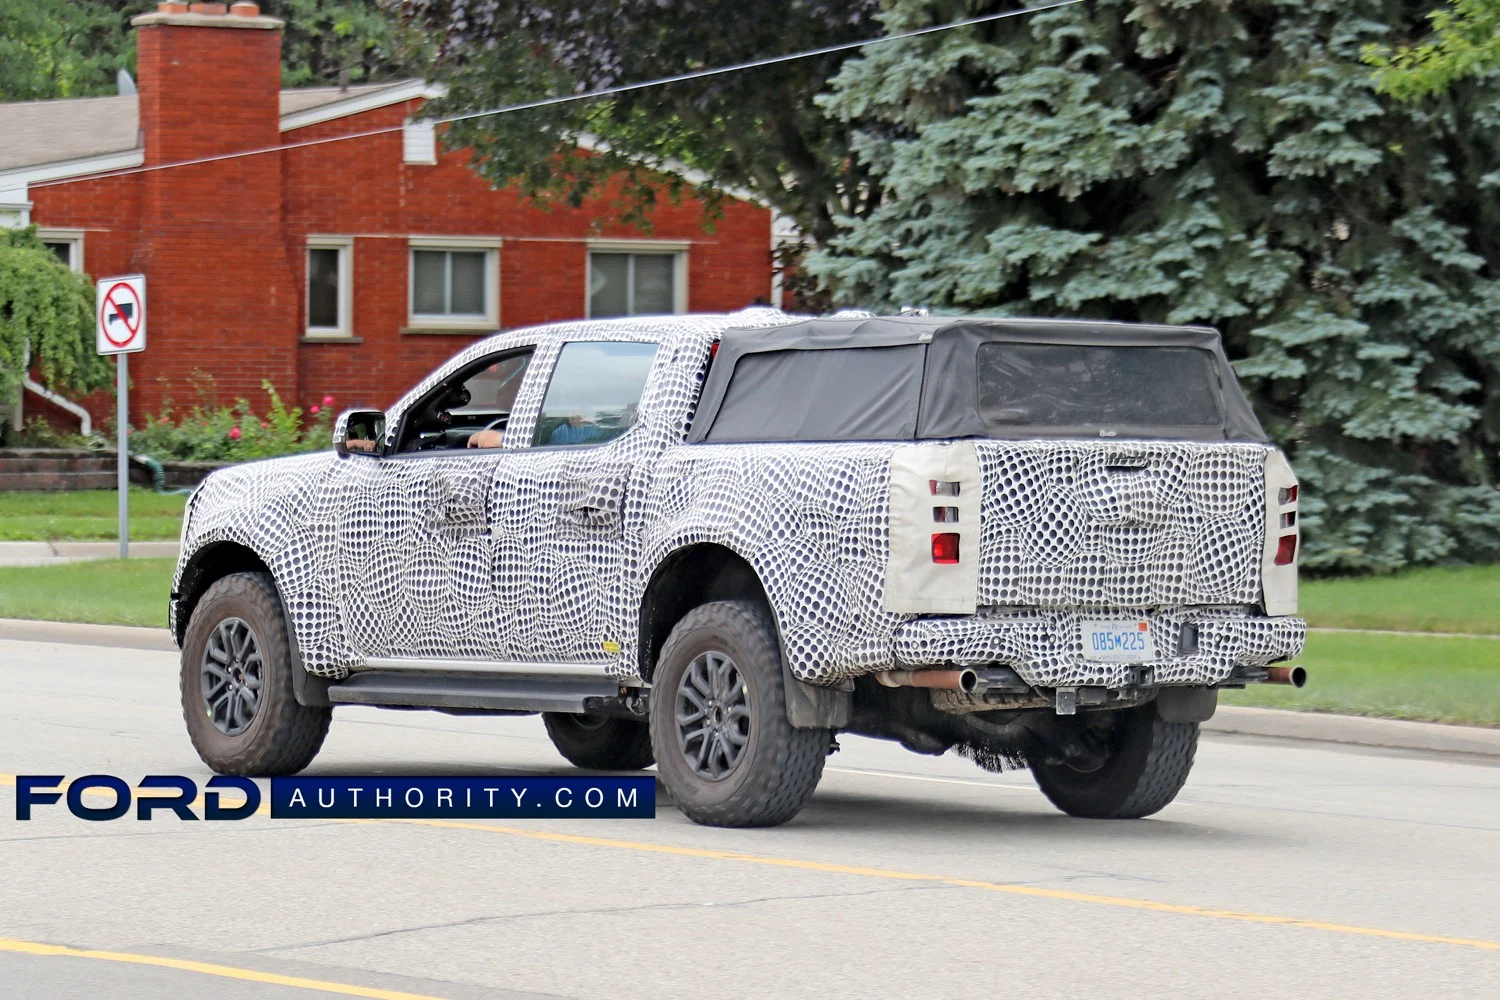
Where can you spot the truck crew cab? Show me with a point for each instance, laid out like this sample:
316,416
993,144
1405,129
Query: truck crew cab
715,542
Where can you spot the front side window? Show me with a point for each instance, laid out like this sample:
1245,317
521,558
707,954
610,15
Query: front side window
452,285
633,284
469,409
595,390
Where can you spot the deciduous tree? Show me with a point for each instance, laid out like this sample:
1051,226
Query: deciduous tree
757,130
48,311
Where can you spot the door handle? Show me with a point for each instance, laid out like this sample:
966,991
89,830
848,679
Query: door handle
591,514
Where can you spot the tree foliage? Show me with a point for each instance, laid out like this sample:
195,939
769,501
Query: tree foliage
1190,161
1465,42
56,48
74,48
757,130
47,308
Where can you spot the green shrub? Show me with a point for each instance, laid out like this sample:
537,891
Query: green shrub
235,433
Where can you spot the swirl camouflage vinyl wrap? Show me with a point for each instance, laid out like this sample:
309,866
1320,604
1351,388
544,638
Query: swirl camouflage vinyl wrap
544,554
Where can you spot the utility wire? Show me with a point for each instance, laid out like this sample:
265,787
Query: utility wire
586,96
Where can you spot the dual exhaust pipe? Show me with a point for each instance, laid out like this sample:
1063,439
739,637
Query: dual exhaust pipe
971,681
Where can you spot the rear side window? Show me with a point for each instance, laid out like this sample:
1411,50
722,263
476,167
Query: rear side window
594,392
1077,386
847,394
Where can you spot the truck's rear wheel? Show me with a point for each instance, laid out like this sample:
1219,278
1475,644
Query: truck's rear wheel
1122,765
237,699
724,747
600,742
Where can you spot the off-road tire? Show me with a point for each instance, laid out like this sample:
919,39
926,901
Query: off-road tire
1147,768
781,764
600,743
283,737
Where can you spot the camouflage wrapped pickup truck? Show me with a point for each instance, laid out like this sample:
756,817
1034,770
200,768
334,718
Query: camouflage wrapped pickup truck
716,542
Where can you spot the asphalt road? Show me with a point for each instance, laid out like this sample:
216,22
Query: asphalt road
1283,870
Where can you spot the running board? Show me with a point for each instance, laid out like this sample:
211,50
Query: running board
473,691
433,664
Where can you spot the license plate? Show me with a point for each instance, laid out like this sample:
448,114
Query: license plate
1118,642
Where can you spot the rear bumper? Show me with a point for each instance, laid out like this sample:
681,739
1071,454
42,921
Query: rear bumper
1046,647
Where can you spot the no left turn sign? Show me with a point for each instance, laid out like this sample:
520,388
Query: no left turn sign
122,314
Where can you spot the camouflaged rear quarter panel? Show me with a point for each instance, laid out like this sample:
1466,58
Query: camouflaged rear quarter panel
475,554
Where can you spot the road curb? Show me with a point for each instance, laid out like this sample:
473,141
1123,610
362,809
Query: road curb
79,634
1355,730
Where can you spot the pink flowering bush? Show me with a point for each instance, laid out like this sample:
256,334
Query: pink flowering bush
234,433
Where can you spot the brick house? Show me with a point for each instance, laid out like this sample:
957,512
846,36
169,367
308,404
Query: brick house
348,268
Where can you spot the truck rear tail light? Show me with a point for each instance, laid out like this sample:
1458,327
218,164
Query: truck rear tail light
942,489
1286,549
945,515
1286,495
945,547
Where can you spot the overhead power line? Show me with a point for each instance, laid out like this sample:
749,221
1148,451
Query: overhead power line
548,102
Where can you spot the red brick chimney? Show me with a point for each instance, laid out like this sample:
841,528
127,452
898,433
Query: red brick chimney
212,242
210,80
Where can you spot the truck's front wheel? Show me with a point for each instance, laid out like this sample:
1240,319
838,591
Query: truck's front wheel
1119,765
237,698
724,747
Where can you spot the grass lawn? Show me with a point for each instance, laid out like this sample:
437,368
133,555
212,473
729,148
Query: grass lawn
1433,679
107,591
1442,599
87,515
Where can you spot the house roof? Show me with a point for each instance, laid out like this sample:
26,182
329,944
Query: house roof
40,132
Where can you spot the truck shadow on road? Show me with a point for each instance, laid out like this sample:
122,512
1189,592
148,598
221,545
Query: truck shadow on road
1012,815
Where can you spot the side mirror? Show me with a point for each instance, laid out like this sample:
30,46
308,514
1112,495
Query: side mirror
358,432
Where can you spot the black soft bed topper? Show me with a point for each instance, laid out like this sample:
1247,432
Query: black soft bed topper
911,378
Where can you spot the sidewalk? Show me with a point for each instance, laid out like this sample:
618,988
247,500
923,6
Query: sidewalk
57,553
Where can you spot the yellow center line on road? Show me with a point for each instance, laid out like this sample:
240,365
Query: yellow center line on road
861,871
207,969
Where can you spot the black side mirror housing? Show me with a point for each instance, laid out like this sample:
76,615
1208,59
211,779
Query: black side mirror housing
358,432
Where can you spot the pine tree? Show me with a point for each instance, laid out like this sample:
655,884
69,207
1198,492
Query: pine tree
1194,161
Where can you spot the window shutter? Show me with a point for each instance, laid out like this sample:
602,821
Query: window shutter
419,142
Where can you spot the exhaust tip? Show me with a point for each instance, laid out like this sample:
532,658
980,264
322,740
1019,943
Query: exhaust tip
1296,676
968,681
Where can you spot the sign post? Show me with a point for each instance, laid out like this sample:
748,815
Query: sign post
121,308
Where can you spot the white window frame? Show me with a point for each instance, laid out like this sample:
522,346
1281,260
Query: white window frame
74,237
677,249
443,323
345,328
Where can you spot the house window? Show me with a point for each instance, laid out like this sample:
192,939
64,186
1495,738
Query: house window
454,286
66,244
329,291
636,283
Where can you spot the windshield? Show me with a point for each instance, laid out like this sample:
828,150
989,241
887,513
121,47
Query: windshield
1075,386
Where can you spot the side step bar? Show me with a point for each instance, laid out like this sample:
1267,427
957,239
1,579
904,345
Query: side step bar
474,691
